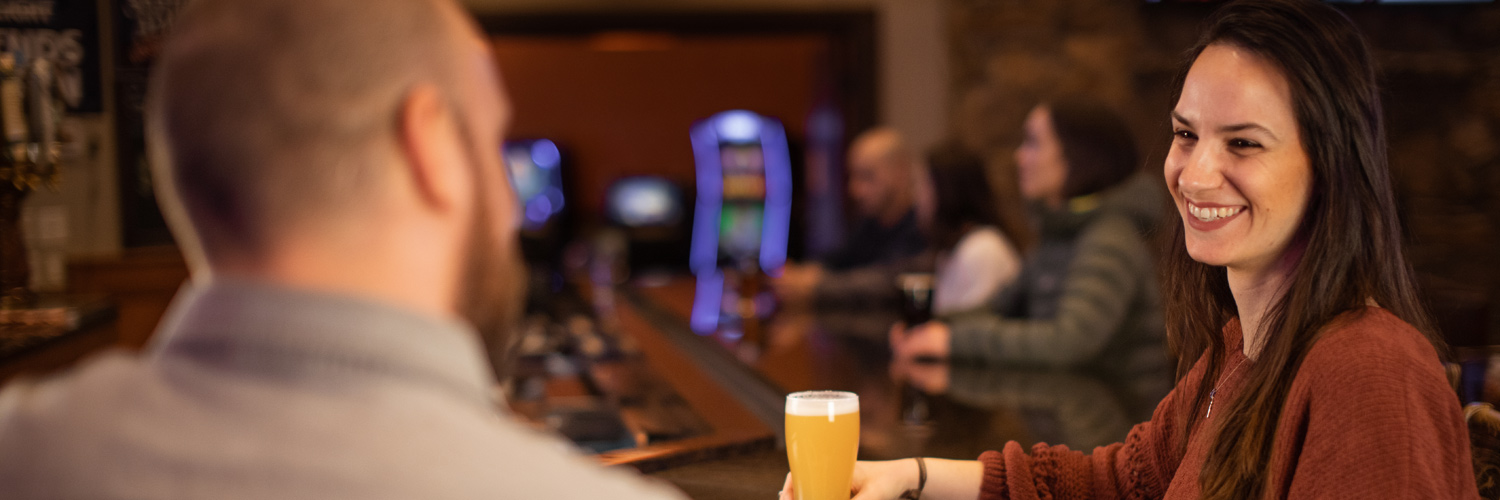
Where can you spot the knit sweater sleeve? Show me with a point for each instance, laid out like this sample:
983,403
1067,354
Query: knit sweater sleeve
1101,284
1141,467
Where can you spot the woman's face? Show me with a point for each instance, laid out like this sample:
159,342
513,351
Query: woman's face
1237,170
1039,160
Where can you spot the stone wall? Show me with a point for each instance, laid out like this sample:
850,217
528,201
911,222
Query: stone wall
1440,68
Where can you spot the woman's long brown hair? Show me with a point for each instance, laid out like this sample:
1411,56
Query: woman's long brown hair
1350,230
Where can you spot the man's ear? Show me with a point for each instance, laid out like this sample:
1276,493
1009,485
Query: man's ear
429,141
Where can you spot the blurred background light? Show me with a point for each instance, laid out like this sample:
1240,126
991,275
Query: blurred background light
738,126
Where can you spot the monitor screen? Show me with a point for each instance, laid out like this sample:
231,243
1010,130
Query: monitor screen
644,201
535,168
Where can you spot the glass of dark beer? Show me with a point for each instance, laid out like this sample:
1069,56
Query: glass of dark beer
916,297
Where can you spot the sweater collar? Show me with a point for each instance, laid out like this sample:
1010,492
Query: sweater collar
1233,337
264,327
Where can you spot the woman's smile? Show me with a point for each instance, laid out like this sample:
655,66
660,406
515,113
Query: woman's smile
1209,216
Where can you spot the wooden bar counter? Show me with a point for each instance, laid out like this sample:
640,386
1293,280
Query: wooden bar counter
906,409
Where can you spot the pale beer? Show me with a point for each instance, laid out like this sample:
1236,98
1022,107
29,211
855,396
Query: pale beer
822,440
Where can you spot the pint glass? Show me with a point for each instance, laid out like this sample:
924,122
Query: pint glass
822,440
916,298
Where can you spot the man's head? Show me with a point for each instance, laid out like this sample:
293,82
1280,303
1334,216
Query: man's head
338,144
881,173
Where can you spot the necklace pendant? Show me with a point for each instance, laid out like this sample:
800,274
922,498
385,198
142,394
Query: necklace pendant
1210,403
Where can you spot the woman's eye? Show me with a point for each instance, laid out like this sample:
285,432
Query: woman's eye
1183,134
1242,144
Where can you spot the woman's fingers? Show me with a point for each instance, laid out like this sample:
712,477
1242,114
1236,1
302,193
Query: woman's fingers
929,341
870,481
900,338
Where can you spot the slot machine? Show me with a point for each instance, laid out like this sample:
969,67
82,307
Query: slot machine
741,217
535,167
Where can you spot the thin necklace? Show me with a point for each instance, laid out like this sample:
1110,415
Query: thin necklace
1215,390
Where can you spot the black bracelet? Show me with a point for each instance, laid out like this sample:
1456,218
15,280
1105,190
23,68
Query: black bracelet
921,481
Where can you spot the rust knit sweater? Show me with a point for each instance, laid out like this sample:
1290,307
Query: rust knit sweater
1369,415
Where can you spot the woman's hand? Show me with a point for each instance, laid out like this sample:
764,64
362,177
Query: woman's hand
929,377
927,341
873,480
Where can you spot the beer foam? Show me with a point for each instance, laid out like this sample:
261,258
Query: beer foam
820,403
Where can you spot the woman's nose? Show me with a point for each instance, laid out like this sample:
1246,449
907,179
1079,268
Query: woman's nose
1201,171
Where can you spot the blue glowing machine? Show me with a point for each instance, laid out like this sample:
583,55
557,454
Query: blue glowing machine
744,206
535,168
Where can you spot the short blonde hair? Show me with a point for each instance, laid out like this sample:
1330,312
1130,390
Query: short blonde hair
265,112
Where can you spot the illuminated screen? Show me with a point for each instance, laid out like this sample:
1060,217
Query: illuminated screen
744,172
644,202
535,168
739,230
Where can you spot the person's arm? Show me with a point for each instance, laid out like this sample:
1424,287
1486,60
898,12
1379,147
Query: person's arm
867,288
1140,467
888,480
1101,284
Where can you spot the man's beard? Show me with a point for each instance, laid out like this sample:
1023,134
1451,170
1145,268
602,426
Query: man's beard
493,287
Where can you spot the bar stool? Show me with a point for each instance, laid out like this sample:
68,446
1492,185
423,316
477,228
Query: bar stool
1484,443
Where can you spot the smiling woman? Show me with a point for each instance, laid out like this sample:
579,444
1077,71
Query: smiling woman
1289,302
1290,237
1238,173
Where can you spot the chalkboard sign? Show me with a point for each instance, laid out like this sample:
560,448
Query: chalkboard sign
66,32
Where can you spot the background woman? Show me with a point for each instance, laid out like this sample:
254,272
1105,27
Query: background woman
1323,381
1087,287
975,259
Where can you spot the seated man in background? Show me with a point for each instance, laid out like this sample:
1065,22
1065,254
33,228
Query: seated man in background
882,176
332,171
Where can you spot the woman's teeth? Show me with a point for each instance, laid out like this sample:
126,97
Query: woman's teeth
1212,214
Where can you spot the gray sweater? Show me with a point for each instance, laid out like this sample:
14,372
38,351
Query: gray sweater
257,391
1087,295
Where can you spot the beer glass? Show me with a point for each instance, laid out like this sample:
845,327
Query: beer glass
916,298
822,440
